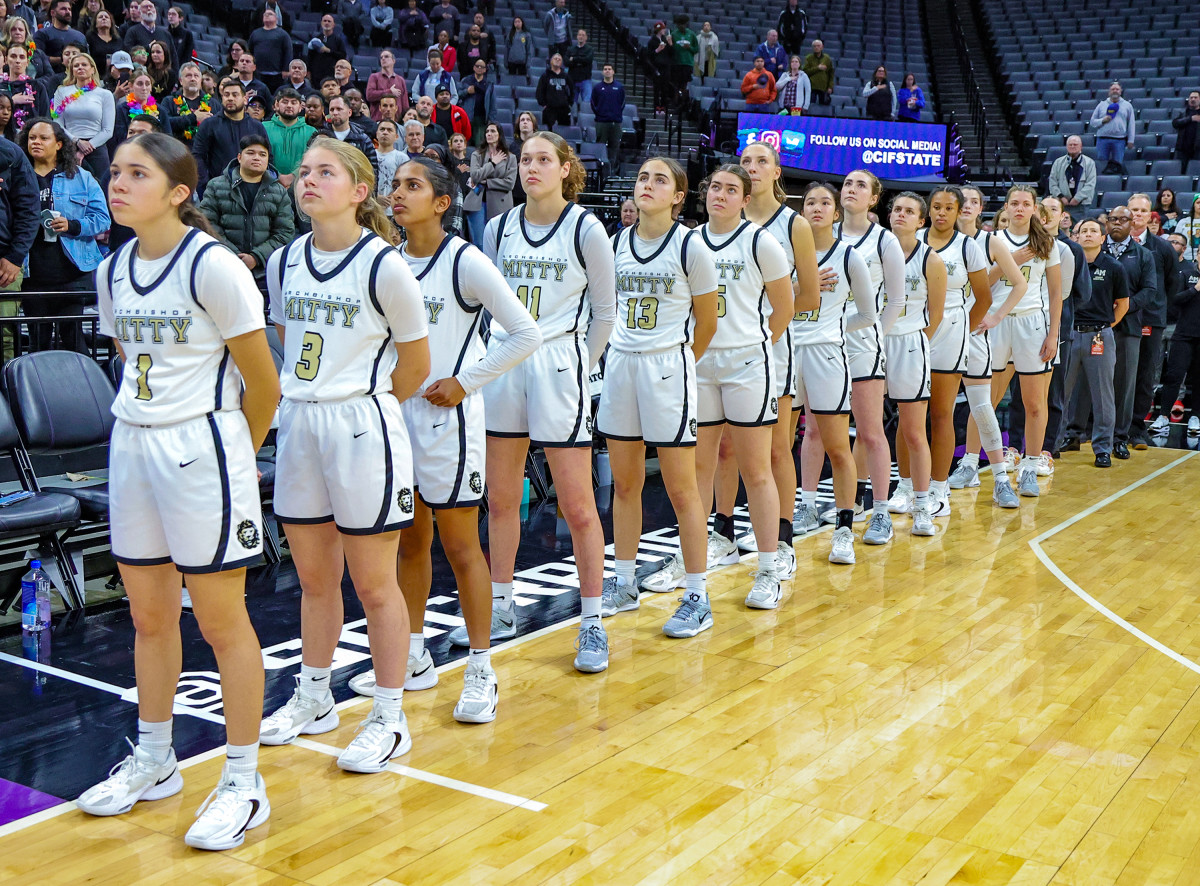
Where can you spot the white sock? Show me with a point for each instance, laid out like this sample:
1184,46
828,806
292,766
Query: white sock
696,583
879,506
626,571
921,499
971,460
389,702
314,682
155,738
766,561
904,484
939,488
416,645
241,759
998,472
480,658
809,498
590,607
502,591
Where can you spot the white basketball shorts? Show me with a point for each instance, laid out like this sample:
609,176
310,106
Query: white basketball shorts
865,350
908,378
449,451
783,352
979,355
737,386
546,397
1018,340
823,379
649,397
949,345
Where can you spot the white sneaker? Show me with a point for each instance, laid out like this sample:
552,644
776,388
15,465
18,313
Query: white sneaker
922,523
666,579
480,695
785,561
721,551
1045,464
138,777
421,675
805,520
1193,428
237,804
829,513
766,592
302,715
379,739
965,476
747,543
504,625
1012,458
842,550
902,501
939,506
1160,426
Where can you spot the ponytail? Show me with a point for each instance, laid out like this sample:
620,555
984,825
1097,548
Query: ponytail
190,215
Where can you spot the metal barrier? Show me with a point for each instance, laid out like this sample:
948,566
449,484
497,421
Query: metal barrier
69,328
974,96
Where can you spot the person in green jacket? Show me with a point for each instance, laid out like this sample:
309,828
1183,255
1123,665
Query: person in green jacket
289,134
249,208
685,46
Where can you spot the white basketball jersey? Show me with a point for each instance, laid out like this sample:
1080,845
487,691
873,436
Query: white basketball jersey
915,316
983,239
454,339
745,260
827,324
1033,271
547,273
342,322
172,317
780,225
654,295
962,257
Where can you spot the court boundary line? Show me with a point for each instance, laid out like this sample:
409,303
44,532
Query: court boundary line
1036,546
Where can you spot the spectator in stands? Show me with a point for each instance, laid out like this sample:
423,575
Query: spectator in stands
20,217
330,89
683,40
880,94
64,253
386,81
445,17
580,59
519,48
449,51
353,19
477,46
271,47
1189,227
102,38
85,19
432,77
248,207
412,27
910,99
183,41
6,113
219,138
285,17
86,112
148,30
1153,315
22,10
58,33
1187,131
775,57
493,176
51,82
795,92
414,140
1113,124
236,48
608,104
555,93
343,130
1073,175
343,73
297,78
388,109
758,87
28,95
314,111
557,25
289,134
16,31
358,112
1167,209
450,117
1155,226
452,221
160,70
387,134
120,69
434,134
708,50
326,48
821,73
247,68
1094,351
382,19
792,26
661,54
478,96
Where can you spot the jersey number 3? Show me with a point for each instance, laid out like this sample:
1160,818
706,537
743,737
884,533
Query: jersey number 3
642,313
310,356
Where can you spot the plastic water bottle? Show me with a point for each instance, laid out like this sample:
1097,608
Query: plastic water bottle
35,599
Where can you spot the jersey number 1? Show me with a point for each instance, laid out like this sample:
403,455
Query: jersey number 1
310,356
143,364
531,298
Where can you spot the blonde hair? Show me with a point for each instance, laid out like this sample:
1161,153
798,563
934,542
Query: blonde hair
777,190
95,79
10,24
370,213
576,177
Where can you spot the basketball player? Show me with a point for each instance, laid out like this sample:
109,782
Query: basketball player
667,293
736,375
823,381
977,379
557,259
352,323
907,345
966,269
446,426
183,481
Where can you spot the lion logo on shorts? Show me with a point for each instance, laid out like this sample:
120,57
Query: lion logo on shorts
476,482
587,424
692,427
774,406
247,534
404,498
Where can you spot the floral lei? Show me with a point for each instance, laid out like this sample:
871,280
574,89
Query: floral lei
20,112
149,106
181,105
56,108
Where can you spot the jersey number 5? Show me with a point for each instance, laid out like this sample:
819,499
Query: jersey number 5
143,364
531,298
310,356
721,306
642,313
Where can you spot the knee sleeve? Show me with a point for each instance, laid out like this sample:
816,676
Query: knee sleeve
979,397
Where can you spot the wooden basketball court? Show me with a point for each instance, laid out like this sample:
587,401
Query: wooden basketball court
1010,701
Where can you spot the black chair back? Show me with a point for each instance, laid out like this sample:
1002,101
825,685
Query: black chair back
62,400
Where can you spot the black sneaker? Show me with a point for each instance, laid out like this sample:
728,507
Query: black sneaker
1070,445
1139,441
1121,451
1103,460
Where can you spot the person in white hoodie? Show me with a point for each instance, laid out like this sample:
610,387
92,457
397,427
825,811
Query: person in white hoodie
795,89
